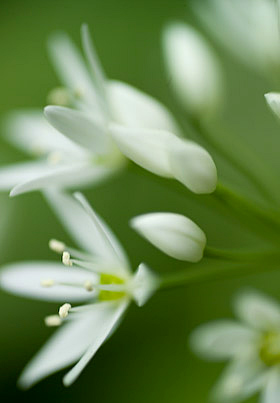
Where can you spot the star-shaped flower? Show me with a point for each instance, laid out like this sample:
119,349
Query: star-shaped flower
100,275
252,346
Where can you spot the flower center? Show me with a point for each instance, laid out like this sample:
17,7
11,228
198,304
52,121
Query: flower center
108,279
270,348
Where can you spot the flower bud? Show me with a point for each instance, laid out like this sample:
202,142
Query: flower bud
194,71
174,234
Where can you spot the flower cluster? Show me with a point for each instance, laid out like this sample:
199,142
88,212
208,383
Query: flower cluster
93,129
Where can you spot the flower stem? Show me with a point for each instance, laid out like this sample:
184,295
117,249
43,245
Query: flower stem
239,255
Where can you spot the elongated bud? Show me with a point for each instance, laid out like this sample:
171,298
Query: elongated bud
273,101
194,71
193,166
174,234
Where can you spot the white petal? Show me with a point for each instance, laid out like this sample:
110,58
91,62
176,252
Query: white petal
222,339
241,379
95,65
64,176
30,131
273,100
147,148
24,279
87,229
271,392
259,311
107,321
66,346
144,284
72,70
195,73
133,108
174,234
79,127
193,166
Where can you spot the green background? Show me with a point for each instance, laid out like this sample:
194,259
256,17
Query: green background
148,359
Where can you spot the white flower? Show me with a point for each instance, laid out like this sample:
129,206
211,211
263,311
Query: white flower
99,275
194,70
248,28
252,346
174,234
273,101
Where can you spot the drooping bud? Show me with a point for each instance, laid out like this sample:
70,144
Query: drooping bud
174,234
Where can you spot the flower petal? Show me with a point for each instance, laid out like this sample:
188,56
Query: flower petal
30,131
67,344
193,166
73,72
24,279
257,310
273,101
174,234
79,127
144,284
87,229
271,391
133,108
107,321
147,148
241,379
222,339
64,176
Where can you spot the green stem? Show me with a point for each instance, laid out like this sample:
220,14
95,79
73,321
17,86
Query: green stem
202,274
233,153
240,256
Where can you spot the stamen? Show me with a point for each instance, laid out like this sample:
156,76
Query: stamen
59,96
48,282
53,320
56,246
88,285
66,259
64,310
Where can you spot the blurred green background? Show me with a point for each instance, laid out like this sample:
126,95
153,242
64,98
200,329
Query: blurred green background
148,359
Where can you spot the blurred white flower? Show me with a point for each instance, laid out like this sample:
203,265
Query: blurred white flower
109,118
252,346
273,101
194,70
248,28
100,274
174,234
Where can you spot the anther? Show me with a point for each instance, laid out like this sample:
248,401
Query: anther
59,96
88,285
48,282
52,320
64,310
56,246
66,259
54,157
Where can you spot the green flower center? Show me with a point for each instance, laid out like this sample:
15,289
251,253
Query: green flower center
270,348
108,279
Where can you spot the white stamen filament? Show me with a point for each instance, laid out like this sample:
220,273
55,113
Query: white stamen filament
48,282
52,320
64,310
66,259
56,246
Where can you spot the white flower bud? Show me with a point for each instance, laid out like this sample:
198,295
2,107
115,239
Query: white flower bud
174,234
194,71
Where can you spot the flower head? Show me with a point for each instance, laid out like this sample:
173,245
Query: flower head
99,274
252,346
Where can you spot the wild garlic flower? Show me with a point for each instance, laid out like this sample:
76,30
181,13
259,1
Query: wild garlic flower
252,346
99,274
193,68
174,234
248,28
